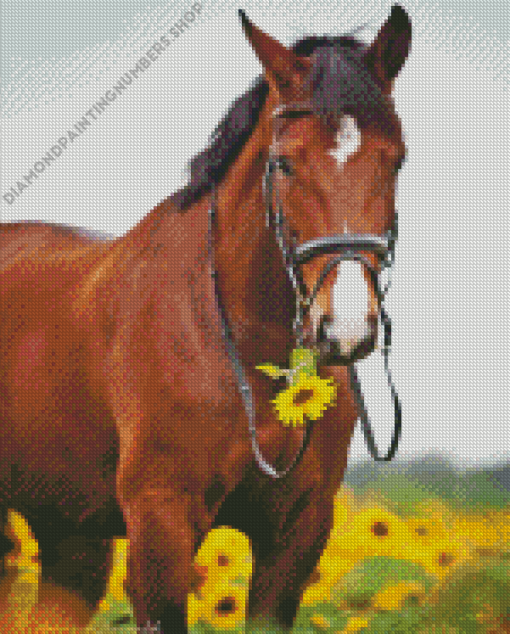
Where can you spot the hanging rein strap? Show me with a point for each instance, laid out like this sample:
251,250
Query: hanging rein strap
244,386
349,247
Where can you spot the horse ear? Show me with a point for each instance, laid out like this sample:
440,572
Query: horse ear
388,52
285,71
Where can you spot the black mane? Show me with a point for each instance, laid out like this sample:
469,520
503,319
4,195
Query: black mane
341,84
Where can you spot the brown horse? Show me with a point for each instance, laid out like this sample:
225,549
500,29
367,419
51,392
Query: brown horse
121,360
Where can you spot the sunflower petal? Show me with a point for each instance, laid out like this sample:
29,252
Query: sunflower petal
271,370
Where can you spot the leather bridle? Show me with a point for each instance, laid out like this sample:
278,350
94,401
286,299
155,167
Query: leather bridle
348,247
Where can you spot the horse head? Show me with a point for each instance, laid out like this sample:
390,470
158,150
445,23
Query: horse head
336,148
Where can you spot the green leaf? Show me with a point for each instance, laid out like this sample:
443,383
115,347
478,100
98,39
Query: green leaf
373,574
305,360
408,621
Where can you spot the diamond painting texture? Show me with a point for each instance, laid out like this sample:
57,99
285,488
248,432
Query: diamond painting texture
152,477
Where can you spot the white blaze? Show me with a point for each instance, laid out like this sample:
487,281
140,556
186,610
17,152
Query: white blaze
348,140
351,299
351,303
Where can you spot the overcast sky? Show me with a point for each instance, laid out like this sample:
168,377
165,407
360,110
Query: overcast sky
449,300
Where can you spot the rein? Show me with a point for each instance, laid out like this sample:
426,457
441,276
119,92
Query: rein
349,247
244,386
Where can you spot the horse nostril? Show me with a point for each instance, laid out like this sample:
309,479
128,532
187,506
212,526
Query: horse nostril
324,325
372,322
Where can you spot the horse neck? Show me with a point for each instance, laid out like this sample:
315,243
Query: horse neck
257,294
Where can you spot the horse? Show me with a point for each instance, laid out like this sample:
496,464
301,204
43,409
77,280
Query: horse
130,399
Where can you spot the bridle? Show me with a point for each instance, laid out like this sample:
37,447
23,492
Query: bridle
348,247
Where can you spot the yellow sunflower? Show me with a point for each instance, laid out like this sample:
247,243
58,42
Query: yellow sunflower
25,552
320,623
344,509
224,608
336,560
308,396
485,534
119,571
319,585
226,554
427,531
445,556
355,624
374,532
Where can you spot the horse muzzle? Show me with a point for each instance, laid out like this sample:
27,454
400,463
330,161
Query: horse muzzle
339,345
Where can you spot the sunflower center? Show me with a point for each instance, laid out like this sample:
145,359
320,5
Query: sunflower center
227,605
380,529
302,396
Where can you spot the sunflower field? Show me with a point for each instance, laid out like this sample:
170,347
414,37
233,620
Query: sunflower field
402,557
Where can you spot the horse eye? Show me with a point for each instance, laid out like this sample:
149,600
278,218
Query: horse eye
283,164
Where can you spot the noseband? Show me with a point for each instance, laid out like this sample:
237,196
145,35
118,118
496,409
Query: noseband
348,247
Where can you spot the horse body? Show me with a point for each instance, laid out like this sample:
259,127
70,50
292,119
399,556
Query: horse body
44,378
120,412
78,317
